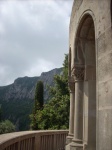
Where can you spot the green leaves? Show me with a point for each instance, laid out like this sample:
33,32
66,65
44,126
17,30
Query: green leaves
0,112
38,105
55,114
39,94
6,127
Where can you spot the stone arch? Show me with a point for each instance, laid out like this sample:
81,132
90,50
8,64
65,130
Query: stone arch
86,37
85,55
84,73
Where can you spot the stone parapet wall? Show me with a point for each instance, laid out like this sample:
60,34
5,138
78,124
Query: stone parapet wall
34,140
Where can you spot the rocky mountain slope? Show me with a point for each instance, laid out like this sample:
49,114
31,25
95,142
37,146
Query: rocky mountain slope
17,99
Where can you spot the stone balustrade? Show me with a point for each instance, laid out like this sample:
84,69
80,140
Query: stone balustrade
34,140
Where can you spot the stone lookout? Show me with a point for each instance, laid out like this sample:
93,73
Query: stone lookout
90,83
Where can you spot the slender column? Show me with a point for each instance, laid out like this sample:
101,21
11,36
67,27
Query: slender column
78,72
72,102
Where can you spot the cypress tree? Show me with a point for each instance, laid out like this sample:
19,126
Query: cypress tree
38,104
39,95
0,112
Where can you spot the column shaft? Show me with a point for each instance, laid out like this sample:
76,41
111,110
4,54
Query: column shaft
78,117
78,72
71,118
72,107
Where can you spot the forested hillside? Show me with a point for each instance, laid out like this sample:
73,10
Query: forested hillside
17,99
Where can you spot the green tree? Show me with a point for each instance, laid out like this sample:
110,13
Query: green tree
55,114
38,104
39,95
0,112
6,127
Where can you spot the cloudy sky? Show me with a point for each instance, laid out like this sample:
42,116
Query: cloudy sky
33,37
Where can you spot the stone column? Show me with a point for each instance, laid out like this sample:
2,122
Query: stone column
78,72
72,103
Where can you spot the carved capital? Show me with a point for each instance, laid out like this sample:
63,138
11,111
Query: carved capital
78,72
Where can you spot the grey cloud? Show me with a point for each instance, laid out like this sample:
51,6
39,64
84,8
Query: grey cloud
33,34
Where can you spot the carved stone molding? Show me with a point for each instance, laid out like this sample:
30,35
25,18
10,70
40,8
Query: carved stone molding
78,72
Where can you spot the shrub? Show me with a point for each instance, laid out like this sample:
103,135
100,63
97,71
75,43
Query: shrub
6,127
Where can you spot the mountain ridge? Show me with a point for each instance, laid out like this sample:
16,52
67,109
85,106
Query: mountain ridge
19,84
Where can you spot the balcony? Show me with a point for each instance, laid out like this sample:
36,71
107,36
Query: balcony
34,140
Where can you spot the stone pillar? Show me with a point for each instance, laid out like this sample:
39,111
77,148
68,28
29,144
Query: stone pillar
72,103
77,142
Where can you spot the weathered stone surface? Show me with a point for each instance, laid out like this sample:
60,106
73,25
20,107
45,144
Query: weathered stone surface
105,68
101,45
105,94
104,141
104,43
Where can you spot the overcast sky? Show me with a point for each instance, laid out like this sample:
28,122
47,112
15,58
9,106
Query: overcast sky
33,37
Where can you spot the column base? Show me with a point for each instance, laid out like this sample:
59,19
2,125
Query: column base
69,139
67,147
76,146
78,141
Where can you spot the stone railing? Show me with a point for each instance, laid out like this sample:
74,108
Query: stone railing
34,140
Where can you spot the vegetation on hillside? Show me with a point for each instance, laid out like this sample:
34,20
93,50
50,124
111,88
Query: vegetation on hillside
55,114
17,111
0,112
5,126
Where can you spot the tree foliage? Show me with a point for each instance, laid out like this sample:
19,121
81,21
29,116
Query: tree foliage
38,104
55,114
0,112
39,94
6,127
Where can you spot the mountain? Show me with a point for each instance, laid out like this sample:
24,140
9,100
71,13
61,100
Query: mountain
17,99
